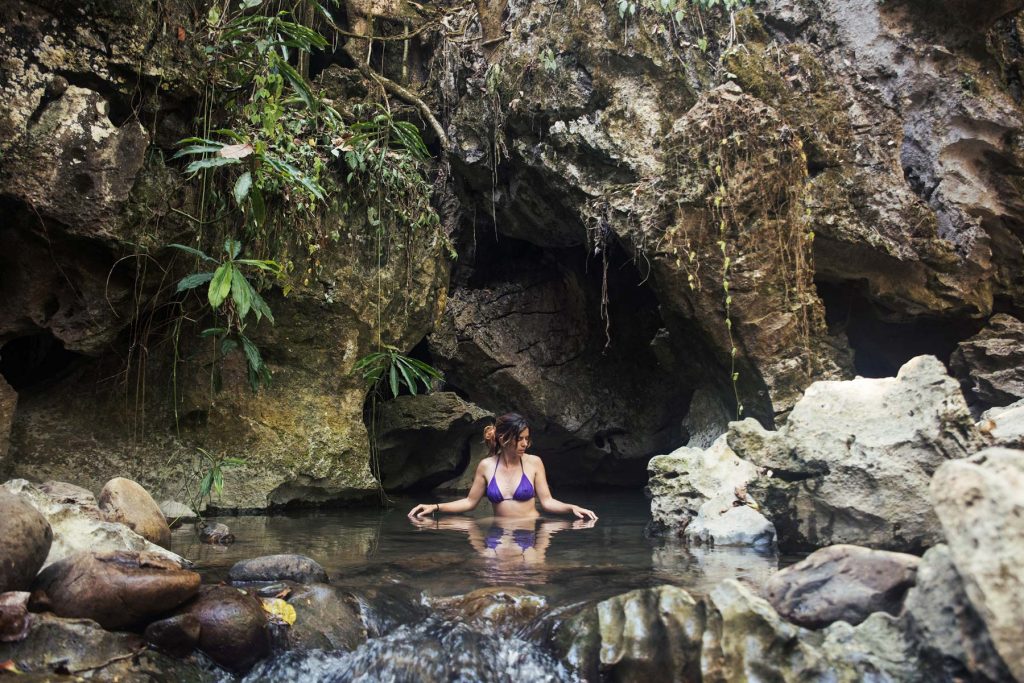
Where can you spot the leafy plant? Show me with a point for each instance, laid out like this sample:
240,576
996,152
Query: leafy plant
396,370
209,469
234,299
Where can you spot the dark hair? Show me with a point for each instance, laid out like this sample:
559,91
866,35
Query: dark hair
504,432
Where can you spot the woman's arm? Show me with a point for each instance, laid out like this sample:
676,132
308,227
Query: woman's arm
548,502
476,491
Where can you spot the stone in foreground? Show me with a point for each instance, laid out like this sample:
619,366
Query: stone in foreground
233,626
842,583
125,501
25,539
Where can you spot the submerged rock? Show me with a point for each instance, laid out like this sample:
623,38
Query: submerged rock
980,502
854,461
25,540
215,534
326,618
123,500
119,589
499,610
842,583
297,568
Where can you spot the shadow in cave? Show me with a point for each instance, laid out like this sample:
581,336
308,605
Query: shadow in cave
36,361
882,343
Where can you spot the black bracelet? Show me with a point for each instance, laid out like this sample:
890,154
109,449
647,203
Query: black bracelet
437,509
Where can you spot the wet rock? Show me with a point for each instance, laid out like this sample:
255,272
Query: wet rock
1004,426
980,502
297,568
81,527
427,439
382,609
63,492
118,589
952,638
8,401
728,520
326,618
682,481
233,626
177,635
499,609
125,501
215,534
13,616
841,583
875,650
25,539
853,463
651,634
990,365
177,513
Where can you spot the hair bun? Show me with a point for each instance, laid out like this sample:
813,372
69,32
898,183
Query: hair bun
489,434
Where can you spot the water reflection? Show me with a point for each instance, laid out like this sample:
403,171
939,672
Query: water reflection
710,566
515,541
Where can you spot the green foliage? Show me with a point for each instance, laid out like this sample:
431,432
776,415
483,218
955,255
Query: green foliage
233,300
389,367
208,469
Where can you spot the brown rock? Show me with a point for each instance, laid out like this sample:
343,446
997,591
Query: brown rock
119,589
25,538
124,501
177,635
500,608
13,616
326,618
8,401
233,626
842,583
216,534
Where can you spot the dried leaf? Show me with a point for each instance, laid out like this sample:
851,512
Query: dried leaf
235,151
279,609
181,34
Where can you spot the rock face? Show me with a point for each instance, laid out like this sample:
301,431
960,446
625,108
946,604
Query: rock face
297,568
854,461
980,502
8,401
122,500
842,583
990,365
428,439
954,642
25,539
82,527
118,590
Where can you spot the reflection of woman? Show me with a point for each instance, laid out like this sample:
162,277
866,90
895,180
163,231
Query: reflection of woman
510,478
502,538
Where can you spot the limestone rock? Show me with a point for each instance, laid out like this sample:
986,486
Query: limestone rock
426,439
980,501
125,501
990,365
877,649
853,463
25,539
649,634
1004,426
684,480
842,583
297,568
63,492
498,609
177,513
233,626
951,637
725,520
706,420
119,589
8,401
81,527
326,618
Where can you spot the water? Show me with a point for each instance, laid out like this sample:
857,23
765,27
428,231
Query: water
563,561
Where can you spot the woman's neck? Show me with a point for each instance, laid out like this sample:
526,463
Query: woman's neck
511,459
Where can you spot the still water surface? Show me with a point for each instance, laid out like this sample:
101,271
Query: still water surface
564,561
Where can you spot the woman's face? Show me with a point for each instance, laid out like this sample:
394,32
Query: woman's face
523,441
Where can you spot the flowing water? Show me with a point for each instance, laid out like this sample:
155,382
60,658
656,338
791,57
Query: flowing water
565,562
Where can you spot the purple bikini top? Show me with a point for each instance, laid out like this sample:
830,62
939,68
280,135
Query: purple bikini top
523,492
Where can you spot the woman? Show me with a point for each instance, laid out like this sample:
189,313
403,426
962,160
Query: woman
510,478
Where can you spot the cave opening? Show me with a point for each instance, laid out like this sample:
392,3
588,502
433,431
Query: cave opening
882,340
36,360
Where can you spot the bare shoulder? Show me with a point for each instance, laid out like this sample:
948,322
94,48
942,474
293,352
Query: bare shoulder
533,460
486,464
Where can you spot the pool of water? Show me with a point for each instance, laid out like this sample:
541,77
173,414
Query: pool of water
564,561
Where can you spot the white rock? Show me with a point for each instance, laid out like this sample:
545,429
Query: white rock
719,522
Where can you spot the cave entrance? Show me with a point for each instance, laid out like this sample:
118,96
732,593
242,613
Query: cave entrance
35,360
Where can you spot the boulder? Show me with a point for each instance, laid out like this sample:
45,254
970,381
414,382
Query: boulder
990,365
81,527
853,463
177,635
1004,426
980,502
118,589
651,634
297,568
123,500
14,620
8,401
177,513
727,520
841,583
25,539
498,609
952,638
63,492
427,439
682,481
233,626
326,618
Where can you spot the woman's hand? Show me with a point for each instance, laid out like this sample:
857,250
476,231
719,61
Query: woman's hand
582,513
423,509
